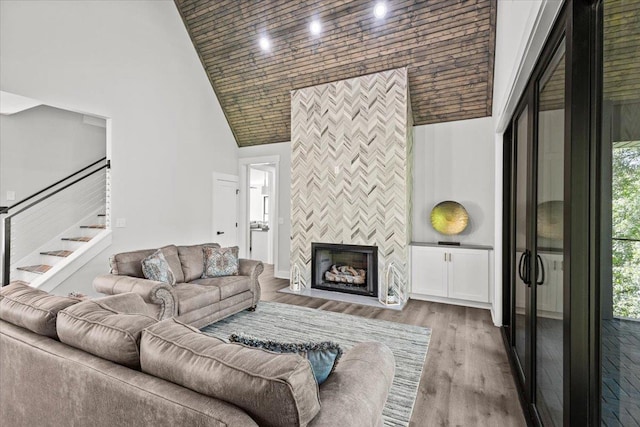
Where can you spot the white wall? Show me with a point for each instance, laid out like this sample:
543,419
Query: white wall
455,161
514,23
42,145
133,62
283,150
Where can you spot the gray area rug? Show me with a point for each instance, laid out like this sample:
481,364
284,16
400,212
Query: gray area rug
284,322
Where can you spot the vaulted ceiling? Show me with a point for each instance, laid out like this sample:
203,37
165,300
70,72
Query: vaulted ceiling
447,45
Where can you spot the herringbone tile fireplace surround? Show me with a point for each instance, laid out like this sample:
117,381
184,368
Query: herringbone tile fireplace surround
351,168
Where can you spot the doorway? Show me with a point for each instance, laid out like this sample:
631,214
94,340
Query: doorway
259,207
261,178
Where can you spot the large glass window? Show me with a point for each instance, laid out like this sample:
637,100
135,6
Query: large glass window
620,233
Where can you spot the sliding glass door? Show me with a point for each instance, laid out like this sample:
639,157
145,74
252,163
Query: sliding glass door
572,222
549,237
536,235
520,287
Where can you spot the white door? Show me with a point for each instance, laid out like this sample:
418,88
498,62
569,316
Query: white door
225,210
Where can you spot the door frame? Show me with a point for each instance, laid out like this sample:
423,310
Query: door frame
217,176
526,376
582,21
243,229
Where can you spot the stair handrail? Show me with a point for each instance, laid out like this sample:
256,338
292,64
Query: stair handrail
7,220
6,209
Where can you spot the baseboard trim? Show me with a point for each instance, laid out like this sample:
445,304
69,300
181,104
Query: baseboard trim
282,274
452,301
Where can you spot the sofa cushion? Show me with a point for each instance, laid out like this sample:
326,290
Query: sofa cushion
192,260
95,327
220,262
229,285
170,253
192,297
155,267
130,263
275,389
32,308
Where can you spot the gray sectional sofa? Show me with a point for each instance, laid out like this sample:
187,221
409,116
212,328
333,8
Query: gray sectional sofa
193,300
110,362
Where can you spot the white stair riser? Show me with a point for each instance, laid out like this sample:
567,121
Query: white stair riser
50,259
69,245
25,276
89,232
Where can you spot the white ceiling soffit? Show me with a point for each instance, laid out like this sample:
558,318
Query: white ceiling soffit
11,103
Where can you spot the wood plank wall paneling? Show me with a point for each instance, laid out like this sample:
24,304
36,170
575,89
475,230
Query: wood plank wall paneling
448,47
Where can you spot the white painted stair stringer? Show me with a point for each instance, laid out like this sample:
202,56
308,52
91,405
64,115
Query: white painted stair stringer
53,244
62,270
63,267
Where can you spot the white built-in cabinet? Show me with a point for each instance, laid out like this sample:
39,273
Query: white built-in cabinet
450,272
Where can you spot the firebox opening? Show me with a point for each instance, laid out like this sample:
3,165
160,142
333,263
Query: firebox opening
345,268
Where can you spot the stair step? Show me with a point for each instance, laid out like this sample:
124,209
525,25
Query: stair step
21,282
102,226
60,253
38,269
77,239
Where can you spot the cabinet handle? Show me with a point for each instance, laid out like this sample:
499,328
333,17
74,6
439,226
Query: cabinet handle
449,256
445,257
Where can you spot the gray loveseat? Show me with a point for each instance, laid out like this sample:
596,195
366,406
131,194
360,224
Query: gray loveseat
108,362
193,300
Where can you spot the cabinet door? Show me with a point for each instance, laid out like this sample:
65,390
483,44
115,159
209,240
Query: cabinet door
520,294
429,271
557,276
547,285
469,275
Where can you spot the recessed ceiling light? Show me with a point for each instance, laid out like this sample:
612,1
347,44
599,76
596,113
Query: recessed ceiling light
265,43
380,10
315,27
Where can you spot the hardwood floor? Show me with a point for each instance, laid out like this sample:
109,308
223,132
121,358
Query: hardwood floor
466,380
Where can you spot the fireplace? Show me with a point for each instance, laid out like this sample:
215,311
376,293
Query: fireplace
345,268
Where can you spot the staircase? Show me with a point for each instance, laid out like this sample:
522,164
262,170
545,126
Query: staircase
61,229
38,268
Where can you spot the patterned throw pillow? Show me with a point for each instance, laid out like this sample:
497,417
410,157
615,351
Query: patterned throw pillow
323,356
155,267
220,262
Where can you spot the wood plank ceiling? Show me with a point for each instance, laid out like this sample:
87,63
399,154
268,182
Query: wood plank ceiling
447,45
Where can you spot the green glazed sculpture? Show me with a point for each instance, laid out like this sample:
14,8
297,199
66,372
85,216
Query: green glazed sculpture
449,217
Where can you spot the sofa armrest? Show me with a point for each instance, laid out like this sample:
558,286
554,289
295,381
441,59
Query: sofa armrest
152,292
356,392
252,268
